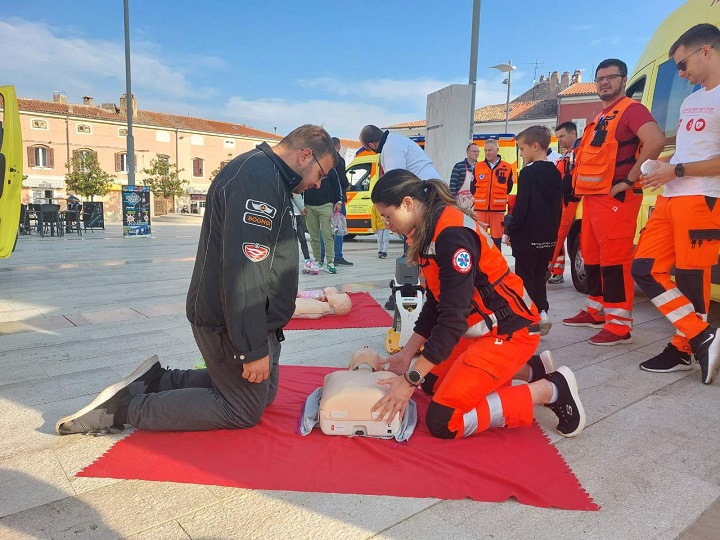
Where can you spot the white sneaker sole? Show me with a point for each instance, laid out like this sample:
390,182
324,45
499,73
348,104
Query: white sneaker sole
572,384
545,327
713,359
612,343
109,392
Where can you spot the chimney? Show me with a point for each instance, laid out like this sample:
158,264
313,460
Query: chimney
564,80
123,104
577,76
59,97
554,81
87,100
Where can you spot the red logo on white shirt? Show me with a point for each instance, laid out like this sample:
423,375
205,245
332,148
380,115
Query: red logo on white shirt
700,124
689,125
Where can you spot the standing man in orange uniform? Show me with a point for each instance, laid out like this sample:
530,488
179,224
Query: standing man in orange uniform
607,168
491,187
684,229
567,139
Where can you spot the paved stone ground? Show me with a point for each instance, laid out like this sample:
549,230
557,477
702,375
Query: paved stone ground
76,314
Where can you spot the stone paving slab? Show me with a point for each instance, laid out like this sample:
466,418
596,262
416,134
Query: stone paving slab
649,456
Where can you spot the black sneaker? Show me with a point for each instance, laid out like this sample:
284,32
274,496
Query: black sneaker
383,255
100,416
541,365
567,408
342,262
706,346
669,360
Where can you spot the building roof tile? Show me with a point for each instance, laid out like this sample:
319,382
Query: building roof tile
580,89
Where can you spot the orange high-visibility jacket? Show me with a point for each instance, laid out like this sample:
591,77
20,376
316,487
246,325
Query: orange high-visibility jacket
491,186
500,304
597,154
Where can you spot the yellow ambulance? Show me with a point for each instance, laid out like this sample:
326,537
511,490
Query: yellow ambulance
655,83
11,167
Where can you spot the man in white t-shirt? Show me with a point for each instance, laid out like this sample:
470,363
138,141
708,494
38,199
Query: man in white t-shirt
398,152
684,228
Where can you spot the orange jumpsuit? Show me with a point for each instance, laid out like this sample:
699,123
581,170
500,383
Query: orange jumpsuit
481,327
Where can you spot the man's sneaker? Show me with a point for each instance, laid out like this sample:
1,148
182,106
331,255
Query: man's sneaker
545,323
584,319
100,415
331,268
669,360
706,346
342,262
383,255
567,407
606,337
541,365
311,268
380,254
554,280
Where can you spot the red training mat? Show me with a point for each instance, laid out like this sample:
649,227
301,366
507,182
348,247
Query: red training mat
492,466
365,313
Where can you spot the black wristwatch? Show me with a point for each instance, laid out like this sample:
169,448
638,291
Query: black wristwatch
679,170
628,182
413,377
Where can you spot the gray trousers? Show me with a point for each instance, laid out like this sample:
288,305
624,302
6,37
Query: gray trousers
213,398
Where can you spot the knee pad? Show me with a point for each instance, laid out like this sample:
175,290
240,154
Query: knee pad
428,385
437,420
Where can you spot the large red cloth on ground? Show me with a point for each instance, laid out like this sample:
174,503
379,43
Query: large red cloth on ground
365,313
491,466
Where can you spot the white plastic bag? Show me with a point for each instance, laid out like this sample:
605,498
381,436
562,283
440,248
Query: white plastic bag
339,224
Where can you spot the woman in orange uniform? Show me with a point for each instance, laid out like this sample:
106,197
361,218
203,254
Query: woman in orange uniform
478,325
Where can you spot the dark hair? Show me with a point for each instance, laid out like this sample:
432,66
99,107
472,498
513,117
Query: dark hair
471,144
370,134
610,62
313,137
335,141
567,126
697,36
535,134
397,184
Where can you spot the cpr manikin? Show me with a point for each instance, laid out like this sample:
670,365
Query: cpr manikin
319,303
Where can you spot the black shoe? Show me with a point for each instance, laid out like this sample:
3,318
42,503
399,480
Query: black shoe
108,411
342,262
541,365
379,254
567,407
383,255
669,360
706,346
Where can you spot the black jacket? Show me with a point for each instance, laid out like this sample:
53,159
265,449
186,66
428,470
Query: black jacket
332,188
535,219
246,270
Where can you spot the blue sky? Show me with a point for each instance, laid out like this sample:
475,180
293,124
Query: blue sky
273,64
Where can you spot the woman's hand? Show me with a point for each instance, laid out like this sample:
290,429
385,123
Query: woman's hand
396,400
399,362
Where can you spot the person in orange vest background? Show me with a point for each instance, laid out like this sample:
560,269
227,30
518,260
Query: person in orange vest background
684,229
493,181
477,325
567,140
607,168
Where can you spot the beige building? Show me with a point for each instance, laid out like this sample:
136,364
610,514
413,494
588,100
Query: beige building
54,130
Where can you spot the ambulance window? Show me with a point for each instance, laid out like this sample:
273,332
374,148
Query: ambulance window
670,91
636,90
359,177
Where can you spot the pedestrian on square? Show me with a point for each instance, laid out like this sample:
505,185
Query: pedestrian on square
301,229
607,168
382,232
533,225
338,174
462,169
683,231
475,324
242,294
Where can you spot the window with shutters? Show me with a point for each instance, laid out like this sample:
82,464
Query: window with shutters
121,164
163,158
40,156
84,129
84,154
197,167
39,123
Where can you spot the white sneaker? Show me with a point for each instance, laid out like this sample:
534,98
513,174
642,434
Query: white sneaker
310,268
545,323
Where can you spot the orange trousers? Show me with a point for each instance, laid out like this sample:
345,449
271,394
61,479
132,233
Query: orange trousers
608,230
557,263
683,232
494,221
473,390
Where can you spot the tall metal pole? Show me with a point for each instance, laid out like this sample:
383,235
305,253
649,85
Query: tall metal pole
472,80
130,158
507,101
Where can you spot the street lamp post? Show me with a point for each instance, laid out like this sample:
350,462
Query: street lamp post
506,68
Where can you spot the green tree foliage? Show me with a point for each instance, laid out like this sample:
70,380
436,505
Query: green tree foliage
164,178
85,176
